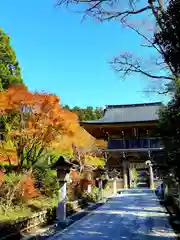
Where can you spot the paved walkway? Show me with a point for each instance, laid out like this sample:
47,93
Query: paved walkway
133,215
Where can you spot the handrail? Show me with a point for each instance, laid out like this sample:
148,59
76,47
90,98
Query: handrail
134,143
133,150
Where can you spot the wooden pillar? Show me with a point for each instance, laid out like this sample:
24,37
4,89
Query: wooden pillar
124,143
147,133
135,132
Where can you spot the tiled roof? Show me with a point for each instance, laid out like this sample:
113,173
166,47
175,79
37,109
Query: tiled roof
129,113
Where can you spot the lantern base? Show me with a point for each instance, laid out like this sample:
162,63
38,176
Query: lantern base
65,223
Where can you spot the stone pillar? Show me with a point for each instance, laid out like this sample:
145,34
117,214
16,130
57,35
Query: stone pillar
89,188
130,177
61,209
125,174
114,186
151,177
100,190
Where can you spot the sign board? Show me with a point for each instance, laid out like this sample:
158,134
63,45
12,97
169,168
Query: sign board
138,165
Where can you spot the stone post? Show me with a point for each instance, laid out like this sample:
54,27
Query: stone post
130,177
62,167
99,173
100,189
125,176
61,209
89,188
114,186
151,174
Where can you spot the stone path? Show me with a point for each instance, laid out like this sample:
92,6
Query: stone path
133,215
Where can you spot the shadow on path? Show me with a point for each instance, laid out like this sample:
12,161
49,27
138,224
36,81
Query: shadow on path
132,215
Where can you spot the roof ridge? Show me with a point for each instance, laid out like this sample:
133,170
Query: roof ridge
133,105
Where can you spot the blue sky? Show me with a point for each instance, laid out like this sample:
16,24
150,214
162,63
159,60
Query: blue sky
59,54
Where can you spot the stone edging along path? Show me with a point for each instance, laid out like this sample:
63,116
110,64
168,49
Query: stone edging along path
44,233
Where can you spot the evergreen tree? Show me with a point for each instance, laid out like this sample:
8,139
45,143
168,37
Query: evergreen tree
85,114
9,66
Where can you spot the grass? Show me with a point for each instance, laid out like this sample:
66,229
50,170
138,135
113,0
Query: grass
14,213
43,202
33,206
30,207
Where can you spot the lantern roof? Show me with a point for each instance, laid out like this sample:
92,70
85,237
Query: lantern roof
62,163
100,169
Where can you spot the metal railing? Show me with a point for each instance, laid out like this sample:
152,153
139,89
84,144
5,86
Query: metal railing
134,143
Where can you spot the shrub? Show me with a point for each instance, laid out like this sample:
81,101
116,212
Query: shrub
70,209
74,190
16,189
104,183
95,190
28,188
50,184
46,182
11,191
89,197
51,216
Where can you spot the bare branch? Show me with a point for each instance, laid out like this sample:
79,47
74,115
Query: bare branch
146,45
104,9
123,11
124,14
127,65
144,37
152,91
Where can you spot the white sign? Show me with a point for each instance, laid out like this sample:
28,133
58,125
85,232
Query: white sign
137,165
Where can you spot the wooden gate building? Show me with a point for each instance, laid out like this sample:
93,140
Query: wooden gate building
131,134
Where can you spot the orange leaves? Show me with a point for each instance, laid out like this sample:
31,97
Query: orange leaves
75,175
7,154
28,187
1,177
36,121
13,98
39,112
8,158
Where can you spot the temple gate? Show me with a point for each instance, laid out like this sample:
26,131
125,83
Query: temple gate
130,131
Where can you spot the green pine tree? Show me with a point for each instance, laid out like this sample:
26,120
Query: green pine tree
9,67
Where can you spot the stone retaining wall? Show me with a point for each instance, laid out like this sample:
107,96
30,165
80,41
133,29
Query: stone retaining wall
14,229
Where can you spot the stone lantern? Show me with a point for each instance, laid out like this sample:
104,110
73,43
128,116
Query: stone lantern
151,175
63,168
99,173
114,175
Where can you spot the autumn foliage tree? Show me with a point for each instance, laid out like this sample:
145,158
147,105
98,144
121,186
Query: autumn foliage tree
33,122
